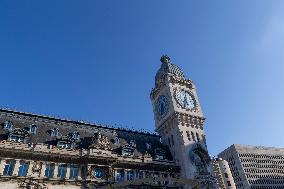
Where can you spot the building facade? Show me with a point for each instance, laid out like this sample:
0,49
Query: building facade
41,152
255,167
223,174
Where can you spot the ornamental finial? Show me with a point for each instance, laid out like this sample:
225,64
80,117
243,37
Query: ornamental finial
165,59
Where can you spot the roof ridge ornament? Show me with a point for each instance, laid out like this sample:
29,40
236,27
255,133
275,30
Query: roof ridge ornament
165,59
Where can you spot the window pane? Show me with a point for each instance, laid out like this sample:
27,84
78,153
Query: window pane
9,167
49,171
62,171
23,169
73,172
120,175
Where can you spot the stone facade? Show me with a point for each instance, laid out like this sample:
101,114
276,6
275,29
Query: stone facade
223,174
45,152
41,152
255,167
180,122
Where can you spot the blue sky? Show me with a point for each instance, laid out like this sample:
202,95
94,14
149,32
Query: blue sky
96,61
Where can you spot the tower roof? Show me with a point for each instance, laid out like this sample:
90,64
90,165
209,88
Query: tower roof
168,68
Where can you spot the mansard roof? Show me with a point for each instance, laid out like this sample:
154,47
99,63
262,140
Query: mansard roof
87,132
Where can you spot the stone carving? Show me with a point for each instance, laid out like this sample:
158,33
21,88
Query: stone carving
36,168
31,184
101,141
147,155
165,59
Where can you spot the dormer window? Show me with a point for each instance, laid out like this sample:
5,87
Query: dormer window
160,154
132,143
127,150
33,129
64,145
18,135
55,132
148,146
8,125
116,141
75,135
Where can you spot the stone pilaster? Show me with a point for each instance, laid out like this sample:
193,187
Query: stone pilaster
42,172
55,173
16,168
67,171
2,166
30,170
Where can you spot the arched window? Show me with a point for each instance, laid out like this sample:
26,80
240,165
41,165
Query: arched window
148,146
75,135
193,137
197,136
116,140
132,143
8,125
33,129
55,132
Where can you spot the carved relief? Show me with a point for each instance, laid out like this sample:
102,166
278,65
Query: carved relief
36,169
31,184
101,141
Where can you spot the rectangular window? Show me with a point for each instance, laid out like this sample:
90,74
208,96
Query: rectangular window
9,167
49,170
73,172
226,175
173,142
62,168
23,169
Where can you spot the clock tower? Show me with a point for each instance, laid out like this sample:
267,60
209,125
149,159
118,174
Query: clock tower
180,122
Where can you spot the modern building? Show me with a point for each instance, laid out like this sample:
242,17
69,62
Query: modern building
255,167
223,174
44,152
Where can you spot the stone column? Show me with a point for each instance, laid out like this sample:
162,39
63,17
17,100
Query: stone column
42,172
16,168
67,171
55,172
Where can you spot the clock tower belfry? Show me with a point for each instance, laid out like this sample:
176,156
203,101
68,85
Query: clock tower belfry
179,120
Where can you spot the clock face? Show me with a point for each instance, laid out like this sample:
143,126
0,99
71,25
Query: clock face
162,106
185,99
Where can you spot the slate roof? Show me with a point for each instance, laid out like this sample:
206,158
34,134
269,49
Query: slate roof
45,124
